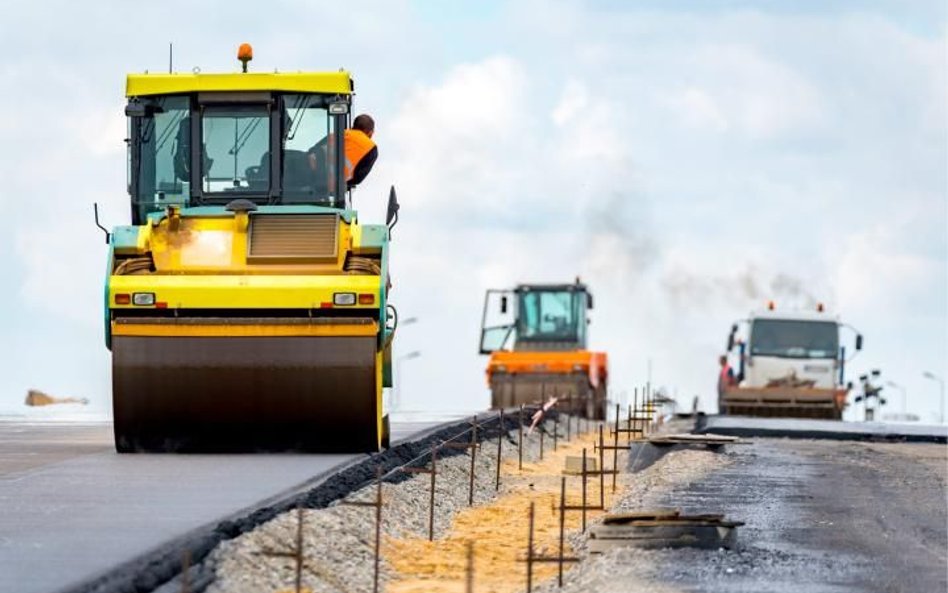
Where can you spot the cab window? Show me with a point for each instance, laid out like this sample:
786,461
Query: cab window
236,155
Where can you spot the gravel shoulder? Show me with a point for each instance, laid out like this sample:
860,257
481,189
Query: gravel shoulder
339,540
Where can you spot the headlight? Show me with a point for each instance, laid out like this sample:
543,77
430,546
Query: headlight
143,299
344,298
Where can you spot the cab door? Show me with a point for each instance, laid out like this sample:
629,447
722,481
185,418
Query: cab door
498,321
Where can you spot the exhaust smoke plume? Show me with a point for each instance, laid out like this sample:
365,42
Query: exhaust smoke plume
749,286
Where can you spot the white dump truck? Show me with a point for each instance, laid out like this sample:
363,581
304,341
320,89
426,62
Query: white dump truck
790,364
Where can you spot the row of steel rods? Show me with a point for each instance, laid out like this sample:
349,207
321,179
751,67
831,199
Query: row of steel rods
297,552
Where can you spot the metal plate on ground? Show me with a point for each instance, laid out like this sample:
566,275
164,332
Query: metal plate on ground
709,440
663,528
643,453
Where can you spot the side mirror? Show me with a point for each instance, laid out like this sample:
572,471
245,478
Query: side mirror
108,235
589,301
503,304
858,341
391,216
730,337
138,108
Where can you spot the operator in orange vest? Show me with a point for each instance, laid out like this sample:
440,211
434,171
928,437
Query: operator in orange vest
361,151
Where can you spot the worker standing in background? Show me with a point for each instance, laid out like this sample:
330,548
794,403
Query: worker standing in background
361,151
725,376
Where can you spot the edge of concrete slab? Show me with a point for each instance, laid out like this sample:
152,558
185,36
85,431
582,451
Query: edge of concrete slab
800,428
160,569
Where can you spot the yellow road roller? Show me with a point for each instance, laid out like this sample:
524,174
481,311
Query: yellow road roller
246,305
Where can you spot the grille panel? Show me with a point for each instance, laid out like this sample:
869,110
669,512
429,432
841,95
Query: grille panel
292,237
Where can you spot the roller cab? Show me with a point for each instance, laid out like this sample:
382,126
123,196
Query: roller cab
245,304
535,335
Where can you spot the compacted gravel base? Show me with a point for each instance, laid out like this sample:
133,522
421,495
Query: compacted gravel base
338,540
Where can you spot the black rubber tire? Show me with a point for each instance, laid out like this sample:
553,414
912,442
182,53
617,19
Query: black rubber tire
386,433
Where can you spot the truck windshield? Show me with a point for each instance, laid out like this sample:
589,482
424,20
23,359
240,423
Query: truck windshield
794,339
550,316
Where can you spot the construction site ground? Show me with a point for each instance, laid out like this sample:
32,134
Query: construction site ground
820,516
832,516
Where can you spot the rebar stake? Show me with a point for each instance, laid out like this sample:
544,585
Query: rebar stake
560,559
469,571
500,440
520,440
634,415
470,493
185,570
540,430
584,490
602,469
615,452
431,500
562,526
530,552
556,430
296,553
377,503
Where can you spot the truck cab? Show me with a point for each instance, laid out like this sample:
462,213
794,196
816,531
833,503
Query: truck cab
791,361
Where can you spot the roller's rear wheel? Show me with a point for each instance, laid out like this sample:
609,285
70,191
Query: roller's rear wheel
386,433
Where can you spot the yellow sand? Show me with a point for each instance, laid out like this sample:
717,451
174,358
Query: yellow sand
499,530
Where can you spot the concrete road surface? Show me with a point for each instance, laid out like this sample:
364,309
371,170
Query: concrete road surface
71,508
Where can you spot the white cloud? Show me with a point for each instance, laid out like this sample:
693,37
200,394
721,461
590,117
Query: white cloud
681,163
735,86
697,108
452,142
572,103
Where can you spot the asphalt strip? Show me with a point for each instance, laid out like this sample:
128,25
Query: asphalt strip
800,428
160,570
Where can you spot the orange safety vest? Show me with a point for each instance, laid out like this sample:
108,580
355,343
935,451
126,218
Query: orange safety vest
358,144
725,378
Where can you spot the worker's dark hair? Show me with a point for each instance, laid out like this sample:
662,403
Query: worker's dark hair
364,123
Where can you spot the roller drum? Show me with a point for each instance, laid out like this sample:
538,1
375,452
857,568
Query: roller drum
246,393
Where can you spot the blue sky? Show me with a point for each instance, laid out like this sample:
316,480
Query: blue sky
689,160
